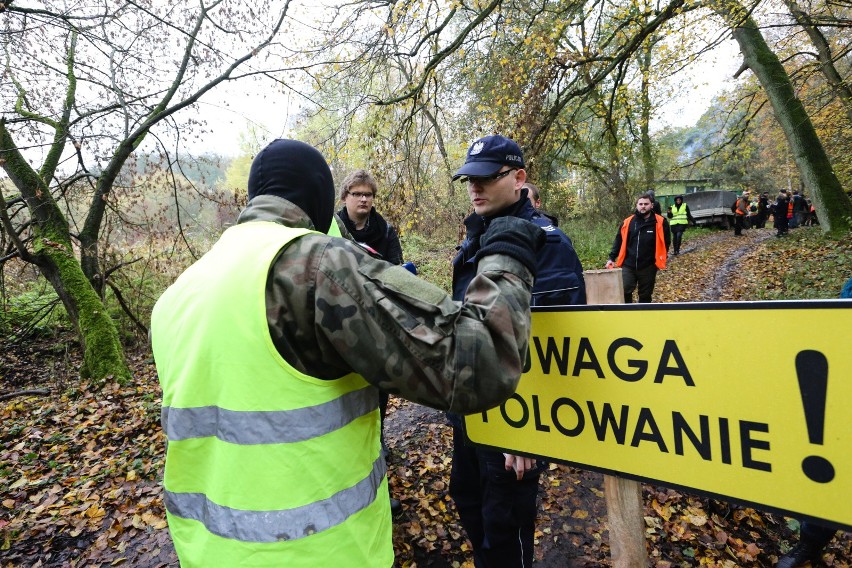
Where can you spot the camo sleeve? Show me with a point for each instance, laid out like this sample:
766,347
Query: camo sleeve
401,333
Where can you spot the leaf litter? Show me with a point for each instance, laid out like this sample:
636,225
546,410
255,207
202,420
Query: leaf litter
80,468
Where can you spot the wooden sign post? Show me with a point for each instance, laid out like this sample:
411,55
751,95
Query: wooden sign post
625,510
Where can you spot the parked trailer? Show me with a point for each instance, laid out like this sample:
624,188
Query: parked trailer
712,207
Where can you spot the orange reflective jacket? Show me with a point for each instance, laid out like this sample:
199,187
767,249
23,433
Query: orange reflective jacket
659,251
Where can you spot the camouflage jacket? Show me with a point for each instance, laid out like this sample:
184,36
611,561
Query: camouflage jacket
333,309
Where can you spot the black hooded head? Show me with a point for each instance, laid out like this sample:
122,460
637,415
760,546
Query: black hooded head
298,173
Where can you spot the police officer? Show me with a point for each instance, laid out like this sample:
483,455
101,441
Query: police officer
495,493
270,350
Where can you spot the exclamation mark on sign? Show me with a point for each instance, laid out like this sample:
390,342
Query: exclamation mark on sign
812,370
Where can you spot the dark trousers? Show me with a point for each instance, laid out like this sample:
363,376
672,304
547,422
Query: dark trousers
495,508
815,536
677,236
644,278
738,224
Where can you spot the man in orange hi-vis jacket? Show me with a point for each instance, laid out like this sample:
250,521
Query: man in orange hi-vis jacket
640,249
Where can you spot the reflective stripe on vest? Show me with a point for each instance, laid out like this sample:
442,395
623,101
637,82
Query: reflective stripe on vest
659,247
679,215
276,526
266,427
263,462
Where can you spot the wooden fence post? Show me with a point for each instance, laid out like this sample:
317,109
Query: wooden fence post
625,510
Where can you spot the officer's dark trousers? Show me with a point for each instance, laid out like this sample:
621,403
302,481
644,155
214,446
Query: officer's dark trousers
496,509
644,278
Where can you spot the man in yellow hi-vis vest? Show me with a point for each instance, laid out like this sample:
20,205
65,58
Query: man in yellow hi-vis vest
270,350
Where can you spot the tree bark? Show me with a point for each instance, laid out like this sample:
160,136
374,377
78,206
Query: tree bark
645,116
824,56
53,254
833,206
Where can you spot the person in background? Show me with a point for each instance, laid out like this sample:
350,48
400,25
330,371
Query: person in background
364,225
495,493
780,214
740,213
762,209
800,210
680,217
812,216
271,349
362,221
813,537
791,217
655,205
535,198
640,249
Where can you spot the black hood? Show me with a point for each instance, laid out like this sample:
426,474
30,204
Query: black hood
298,173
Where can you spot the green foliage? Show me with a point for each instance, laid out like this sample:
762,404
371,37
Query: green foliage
236,178
34,311
592,239
432,258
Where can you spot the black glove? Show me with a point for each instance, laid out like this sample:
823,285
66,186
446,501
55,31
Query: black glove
513,237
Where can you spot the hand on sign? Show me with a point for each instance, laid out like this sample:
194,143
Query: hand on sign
519,463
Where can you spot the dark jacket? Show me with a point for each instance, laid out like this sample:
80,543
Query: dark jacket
554,220
641,241
559,279
378,234
779,213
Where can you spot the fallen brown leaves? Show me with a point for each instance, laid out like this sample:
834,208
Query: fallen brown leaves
80,469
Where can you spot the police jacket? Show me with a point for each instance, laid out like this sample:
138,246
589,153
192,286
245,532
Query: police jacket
559,279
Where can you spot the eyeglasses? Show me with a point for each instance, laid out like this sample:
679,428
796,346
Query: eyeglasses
359,195
486,180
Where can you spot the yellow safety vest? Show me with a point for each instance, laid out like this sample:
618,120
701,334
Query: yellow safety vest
679,215
265,466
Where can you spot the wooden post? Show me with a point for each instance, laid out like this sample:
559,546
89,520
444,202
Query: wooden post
625,510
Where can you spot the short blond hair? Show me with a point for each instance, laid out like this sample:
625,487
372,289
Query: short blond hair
356,178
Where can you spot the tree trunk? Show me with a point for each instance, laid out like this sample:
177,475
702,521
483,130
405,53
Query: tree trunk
826,60
53,254
645,116
833,206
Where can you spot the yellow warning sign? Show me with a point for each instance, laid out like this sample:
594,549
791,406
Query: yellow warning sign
748,401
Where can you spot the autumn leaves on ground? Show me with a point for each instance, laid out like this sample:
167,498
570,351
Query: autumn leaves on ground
80,469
